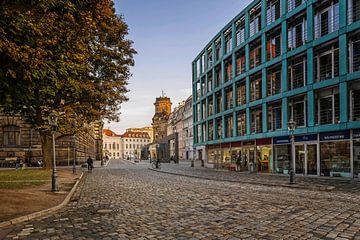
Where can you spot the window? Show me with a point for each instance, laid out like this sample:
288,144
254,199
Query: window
296,72
241,123
241,93
228,69
273,11
126,146
209,83
327,106
354,54
203,106
218,49
117,146
228,41
297,32
105,146
256,120
218,128
198,89
274,80
210,106
297,110
274,116
353,10
229,98
218,76
294,3
240,31
203,63
327,62
240,62
218,100
198,115
355,101
11,135
209,57
199,134
255,54
203,86
255,87
274,45
255,20
326,19
198,68
211,131
229,125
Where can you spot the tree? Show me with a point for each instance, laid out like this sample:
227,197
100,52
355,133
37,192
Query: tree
65,56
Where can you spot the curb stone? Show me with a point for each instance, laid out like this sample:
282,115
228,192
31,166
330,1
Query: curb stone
42,212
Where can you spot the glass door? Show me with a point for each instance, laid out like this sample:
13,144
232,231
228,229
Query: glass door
300,159
312,159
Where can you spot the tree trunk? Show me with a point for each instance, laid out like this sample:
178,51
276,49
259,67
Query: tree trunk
46,145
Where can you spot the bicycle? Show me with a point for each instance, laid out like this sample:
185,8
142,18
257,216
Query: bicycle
154,163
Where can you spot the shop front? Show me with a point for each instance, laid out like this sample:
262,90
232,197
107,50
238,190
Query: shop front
264,159
248,156
335,159
356,153
282,154
306,154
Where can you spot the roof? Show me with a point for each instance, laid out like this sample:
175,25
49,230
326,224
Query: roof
136,135
110,133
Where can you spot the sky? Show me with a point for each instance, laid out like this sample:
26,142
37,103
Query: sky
168,35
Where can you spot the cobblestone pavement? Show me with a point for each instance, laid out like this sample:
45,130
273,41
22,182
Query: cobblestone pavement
128,201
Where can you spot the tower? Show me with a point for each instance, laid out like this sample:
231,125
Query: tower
161,116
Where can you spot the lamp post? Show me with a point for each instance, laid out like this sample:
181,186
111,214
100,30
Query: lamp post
52,118
291,128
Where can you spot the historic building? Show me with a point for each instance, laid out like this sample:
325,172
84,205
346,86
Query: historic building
175,125
19,139
133,144
148,130
161,117
274,72
187,135
112,144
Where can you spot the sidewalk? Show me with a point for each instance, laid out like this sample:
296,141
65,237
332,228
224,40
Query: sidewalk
312,183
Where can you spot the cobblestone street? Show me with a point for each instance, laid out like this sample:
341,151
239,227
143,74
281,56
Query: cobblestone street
129,201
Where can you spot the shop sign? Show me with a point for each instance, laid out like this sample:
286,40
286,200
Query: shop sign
235,144
306,138
335,136
265,141
281,140
356,133
248,143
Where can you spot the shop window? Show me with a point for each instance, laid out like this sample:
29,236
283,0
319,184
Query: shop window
210,106
218,100
228,41
326,62
274,44
255,54
354,52
241,93
256,120
218,128
255,87
229,98
296,72
209,57
353,11
297,32
274,80
240,62
356,163
326,18
294,4
273,11
211,131
218,80
218,53
209,82
335,159
240,31
327,109
274,117
282,156
228,69
11,135
255,20
241,123
297,110
355,101
229,125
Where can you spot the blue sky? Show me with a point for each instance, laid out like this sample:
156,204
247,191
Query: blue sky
168,35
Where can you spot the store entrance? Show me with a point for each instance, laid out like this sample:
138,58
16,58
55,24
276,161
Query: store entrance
306,159
249,159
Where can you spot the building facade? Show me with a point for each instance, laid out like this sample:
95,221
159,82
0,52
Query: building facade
161,117
133,143
276,62
148,130
112,144
188,130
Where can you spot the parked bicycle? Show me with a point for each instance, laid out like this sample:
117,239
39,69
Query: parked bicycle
155,164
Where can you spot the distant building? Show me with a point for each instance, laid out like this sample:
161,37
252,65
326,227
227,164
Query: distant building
147,129
161,116
112,144
187,137
175,125
133,143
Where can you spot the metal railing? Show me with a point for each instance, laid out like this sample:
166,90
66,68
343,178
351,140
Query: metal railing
354,13
328,70
294,4
299,39
324,28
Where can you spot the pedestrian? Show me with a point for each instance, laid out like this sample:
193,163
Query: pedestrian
17,164
90,163
238,162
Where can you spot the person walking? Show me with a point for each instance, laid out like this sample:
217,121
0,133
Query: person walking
90,163
238,162
17,164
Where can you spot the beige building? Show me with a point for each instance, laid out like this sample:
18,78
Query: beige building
188,150
160,118
133,143
175,125
112,144
149,130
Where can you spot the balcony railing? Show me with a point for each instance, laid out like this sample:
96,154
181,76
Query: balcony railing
294,3
323,28
354,13
298,39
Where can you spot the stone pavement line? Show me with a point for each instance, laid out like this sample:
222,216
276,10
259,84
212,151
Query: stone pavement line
44,212
308,187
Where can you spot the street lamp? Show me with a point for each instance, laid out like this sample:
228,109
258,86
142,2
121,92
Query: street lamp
291,128
52,118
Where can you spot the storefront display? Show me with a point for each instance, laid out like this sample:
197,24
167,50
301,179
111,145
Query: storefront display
356,151
263,155
282,155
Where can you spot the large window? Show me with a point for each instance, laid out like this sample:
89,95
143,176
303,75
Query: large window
218,128
229,98
211,130
274,116
228,41
296,72
197,68
255,54
240,62
11,135
327,109
209,82
218,53
255,20
218,102
203,63
274,44
353,10
210,106
256,120
203,86
203,108
297,32
209,57
255,87
297,110
240,93
228,69
273,11
218,80
274,80
326,18
354,52
326,62
229,125
198,90
241,123
355,101
198,113
282,156
240,31
335,159
294,3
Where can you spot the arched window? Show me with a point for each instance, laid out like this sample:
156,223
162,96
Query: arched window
11,135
